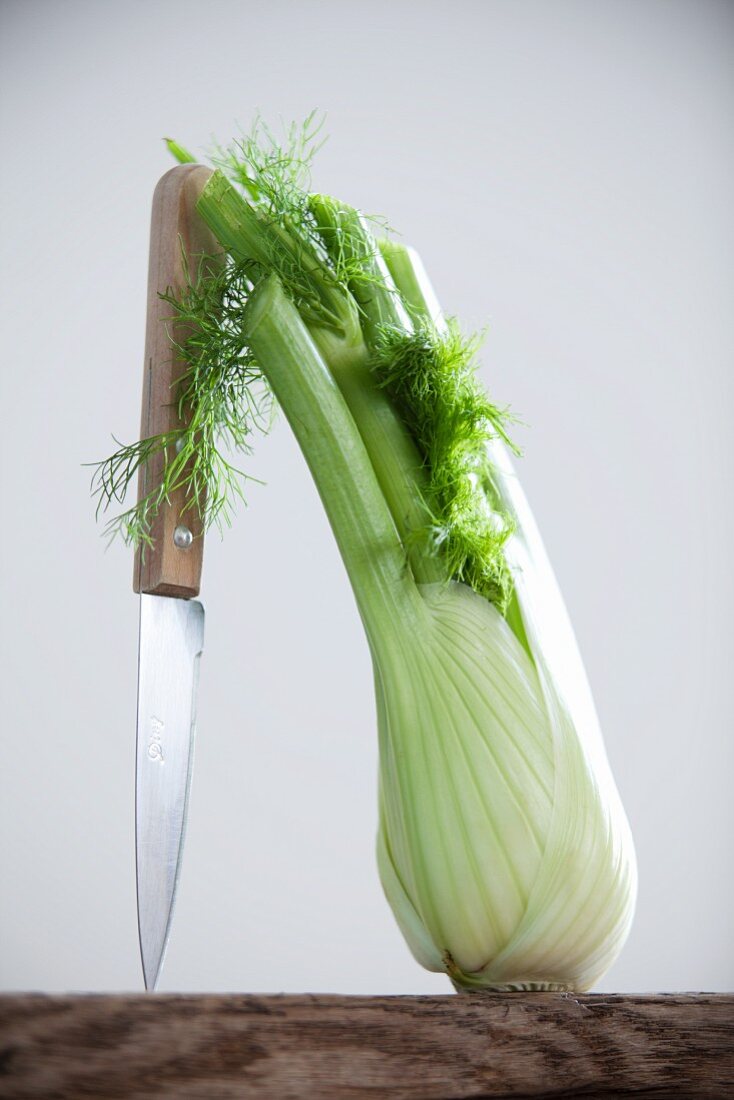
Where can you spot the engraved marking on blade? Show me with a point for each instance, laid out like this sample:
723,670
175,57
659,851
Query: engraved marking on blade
155,740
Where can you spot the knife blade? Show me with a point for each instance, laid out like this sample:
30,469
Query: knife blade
167,576
171,643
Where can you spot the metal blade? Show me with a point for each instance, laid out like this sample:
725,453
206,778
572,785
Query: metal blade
171,642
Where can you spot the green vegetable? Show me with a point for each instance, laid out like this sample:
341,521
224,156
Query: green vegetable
183,156
503,848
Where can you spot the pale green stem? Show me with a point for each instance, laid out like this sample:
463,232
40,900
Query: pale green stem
248,235
232,220
394,456
182,155
340,466
395,459
411,279
354,251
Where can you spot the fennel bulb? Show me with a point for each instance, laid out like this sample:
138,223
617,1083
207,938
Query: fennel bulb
503,849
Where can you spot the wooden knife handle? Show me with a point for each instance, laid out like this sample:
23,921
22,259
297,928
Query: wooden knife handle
168,569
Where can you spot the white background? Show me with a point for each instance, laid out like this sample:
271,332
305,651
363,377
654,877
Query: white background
566,170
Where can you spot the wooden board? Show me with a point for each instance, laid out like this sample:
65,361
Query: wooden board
351,1048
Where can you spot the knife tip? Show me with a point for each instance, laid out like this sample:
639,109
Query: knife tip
151,980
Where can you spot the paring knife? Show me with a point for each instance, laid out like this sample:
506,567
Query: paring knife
167,576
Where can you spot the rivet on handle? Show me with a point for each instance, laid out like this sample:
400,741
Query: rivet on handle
182,537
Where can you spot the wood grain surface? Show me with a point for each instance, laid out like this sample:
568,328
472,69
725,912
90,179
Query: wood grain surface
332,1047
165,569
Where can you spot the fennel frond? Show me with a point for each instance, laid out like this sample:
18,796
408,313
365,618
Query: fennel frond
221,395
